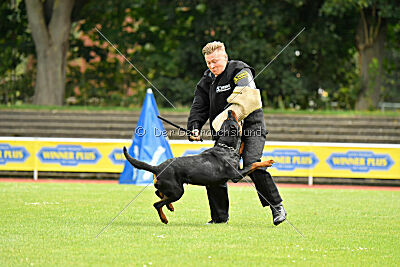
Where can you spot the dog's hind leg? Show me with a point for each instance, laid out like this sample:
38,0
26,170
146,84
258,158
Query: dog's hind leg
161,195
176,195
158,206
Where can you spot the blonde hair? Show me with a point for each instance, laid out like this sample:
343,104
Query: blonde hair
213,46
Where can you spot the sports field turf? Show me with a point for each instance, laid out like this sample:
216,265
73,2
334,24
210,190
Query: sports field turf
56,224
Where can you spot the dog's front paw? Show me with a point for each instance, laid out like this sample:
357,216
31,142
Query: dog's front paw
268,163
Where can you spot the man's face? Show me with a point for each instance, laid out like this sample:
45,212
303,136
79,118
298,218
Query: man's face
216,61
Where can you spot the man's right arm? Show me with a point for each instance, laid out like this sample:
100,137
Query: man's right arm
199,112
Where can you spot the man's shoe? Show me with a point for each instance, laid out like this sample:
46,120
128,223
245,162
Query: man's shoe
216,222
278,214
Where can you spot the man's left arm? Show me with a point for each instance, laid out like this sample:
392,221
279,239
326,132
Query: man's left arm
244,78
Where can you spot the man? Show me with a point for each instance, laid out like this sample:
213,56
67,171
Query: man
210,99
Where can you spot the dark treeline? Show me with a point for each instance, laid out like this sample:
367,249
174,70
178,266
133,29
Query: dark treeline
348,57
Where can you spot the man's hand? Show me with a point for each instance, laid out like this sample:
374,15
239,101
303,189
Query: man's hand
195,136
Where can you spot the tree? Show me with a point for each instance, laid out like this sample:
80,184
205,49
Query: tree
256,31
392,64
50,24
163,39
370,37
153,35
15,48
167,40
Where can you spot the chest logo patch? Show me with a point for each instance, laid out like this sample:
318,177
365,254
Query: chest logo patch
223,88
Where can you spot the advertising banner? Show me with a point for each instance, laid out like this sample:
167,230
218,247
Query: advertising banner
377,161
62,154
304,159
79,156
17,155
334,160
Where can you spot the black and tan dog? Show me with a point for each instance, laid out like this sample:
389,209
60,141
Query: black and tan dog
216,165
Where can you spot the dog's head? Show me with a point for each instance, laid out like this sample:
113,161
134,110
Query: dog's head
230,131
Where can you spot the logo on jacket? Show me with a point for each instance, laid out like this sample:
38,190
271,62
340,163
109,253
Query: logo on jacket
223,88
240,76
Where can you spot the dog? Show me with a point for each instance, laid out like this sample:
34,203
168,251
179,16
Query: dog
213,166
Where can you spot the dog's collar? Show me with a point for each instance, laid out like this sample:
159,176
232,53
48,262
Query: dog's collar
225,146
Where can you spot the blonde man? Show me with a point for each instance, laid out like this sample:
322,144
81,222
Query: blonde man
210,98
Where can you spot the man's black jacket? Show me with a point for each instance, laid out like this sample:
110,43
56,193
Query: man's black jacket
211,94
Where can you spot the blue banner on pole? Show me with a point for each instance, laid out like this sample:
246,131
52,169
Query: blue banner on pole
147,145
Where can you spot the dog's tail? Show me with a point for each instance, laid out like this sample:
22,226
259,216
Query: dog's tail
139,164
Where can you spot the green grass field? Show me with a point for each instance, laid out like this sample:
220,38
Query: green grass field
56,224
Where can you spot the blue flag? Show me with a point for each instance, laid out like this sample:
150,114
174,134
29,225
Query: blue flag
149,144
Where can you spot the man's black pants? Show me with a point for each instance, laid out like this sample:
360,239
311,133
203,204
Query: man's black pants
219,200
253,136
